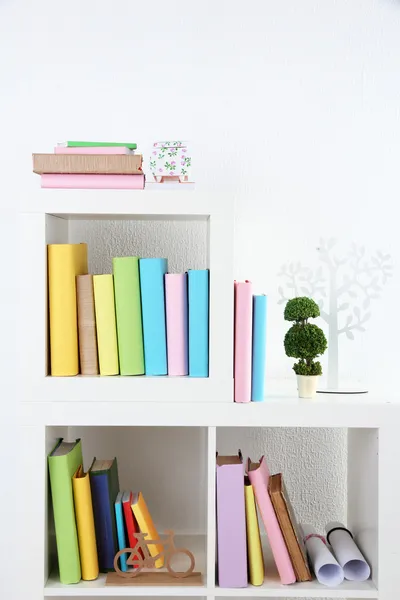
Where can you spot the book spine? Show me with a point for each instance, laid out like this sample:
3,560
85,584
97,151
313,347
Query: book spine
65,261
198,295
103,519
93,150
259,348
121,535
254,549
152,271
243,343
86,164
72,144
231,527
86,325
85,525
259,479
94,182
106,325
129,315
176,302
131,526
61,470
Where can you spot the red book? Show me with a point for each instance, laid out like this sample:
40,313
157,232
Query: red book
130,521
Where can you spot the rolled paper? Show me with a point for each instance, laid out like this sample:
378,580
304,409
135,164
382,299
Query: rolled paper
353,563
326,568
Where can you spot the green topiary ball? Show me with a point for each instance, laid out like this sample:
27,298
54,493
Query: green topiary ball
305,341
301,309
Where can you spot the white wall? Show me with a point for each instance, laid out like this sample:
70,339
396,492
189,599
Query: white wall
294,111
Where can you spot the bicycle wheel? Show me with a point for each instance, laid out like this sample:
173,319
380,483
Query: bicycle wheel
178,573
126,574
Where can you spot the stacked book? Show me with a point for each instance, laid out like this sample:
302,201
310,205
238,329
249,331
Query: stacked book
250,343
139,320
93,518
91,165
239,548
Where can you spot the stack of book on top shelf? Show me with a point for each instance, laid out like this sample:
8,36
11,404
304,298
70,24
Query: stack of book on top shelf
91,165
93,518
140,320
240,552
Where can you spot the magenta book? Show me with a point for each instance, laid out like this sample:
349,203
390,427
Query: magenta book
93,182
231,522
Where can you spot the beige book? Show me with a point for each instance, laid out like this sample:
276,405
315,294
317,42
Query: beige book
87,325
88,164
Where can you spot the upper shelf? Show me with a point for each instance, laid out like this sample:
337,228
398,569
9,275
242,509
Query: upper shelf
121,204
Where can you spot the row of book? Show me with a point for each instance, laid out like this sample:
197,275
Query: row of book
250,343
91,165
93,518
140,320
239,548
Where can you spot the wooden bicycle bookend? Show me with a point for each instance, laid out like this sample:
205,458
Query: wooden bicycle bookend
140,558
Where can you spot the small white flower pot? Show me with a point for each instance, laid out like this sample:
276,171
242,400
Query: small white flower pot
307,385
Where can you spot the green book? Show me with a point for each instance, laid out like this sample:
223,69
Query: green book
128,311
129,145
64,460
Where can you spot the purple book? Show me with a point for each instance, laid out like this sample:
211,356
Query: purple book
231,522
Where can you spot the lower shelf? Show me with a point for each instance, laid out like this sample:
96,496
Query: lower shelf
312,589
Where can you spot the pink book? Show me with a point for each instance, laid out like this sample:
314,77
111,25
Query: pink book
93,182
176,304
259,476
243,340
93,150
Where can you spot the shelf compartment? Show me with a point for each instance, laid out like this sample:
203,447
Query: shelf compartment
312,461
163,463
208,242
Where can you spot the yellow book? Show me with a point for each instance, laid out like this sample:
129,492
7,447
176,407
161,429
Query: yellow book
65,262
254,549
146,525
85,525
103,286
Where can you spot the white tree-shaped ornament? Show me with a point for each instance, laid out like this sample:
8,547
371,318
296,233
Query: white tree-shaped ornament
344,288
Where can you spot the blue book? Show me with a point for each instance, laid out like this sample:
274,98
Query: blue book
259,348
152,271
119,517
198,294
105,487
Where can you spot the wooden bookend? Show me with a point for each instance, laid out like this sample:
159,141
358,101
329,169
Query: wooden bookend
140,558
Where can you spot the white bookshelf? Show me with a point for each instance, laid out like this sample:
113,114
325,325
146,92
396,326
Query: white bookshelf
165,431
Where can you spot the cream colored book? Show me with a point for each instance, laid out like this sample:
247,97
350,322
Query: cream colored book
86,325
65,262
103,286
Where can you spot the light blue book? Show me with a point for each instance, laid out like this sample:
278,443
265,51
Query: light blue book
198,294
259,348
119,517
152,271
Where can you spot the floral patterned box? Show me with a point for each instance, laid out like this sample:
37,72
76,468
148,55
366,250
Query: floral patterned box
171,160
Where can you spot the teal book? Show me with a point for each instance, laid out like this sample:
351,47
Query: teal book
104,485
119,517
198,294
70,144
129,315
259,348
64,460
152,271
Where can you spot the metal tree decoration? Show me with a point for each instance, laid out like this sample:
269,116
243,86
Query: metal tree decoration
344,288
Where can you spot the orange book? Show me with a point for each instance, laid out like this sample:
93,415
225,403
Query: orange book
146,525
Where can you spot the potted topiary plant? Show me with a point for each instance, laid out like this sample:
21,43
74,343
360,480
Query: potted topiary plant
306,342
